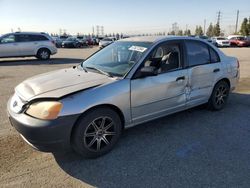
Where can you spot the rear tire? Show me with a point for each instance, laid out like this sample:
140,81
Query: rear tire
219,96
97,132
43,54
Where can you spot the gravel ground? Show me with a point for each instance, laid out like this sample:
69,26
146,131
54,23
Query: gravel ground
194,148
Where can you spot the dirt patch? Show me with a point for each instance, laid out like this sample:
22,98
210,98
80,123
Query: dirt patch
13,150
243,86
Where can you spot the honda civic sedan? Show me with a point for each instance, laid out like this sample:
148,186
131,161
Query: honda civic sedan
129,82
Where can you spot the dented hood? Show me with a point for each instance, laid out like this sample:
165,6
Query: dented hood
58,83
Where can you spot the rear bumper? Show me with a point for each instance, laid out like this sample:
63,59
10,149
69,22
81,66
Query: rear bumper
53,51
47,136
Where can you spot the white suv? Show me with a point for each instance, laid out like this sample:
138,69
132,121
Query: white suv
220,42
23,44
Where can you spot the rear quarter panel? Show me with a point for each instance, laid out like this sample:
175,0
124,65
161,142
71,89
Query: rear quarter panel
231,70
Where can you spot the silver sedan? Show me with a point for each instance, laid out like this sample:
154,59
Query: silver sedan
129,82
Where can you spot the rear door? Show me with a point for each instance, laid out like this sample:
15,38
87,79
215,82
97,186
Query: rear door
9,46
26,44
204,70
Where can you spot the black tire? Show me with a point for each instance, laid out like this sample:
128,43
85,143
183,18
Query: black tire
92,140
43,54
219,96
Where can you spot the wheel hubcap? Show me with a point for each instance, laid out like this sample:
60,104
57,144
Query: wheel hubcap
221,95
44,55
99,133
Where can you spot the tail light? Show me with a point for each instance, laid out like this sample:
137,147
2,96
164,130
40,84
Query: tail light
53,42
238,64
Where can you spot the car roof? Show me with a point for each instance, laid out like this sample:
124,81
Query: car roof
154,39
35,33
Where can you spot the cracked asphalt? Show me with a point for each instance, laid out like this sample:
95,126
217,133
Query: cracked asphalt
194,148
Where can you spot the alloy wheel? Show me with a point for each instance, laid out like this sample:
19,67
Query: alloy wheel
44,54
99,133
221,95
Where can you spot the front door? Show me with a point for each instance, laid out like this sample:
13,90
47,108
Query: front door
155,96
8,46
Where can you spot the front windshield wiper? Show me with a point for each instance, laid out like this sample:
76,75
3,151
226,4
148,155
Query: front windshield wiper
99,70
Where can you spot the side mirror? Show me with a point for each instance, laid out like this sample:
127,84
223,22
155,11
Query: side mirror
148,71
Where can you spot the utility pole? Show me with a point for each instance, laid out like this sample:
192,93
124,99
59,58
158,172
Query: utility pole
97,30
204,31
237,20
102,30
219,18
93,30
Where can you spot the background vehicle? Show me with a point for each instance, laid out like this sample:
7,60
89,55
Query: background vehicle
23,44
204,38
106,41
58,42
129,82
72,42
239,41
220,41
232,36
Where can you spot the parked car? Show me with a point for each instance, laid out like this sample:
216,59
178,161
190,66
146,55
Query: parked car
106,41
233,36
220,41
58,42
95,41
72,42
204,38
129,82
24,44
239,42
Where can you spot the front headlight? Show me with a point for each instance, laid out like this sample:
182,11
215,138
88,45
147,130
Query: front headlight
46,110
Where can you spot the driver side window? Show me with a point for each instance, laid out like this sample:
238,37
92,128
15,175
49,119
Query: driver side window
8,39
165,57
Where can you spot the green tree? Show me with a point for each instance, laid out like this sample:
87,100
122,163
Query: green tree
216,30
210,30
199,31
244,30
180,33
187,32
249,25
172,33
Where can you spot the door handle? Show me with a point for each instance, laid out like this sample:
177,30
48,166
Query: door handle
180,78
216,70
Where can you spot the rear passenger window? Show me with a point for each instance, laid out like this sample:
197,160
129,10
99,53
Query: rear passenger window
197,53
214,56
38,38
22,38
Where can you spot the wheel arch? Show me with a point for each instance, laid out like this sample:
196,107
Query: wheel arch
42,47
111,106
224,79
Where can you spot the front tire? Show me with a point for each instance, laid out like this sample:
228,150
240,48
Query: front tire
97,132
43,54
219,96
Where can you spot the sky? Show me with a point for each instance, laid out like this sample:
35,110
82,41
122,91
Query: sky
122,16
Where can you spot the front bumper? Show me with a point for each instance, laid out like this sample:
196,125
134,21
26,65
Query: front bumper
44,135
243,44
223,45
68,45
